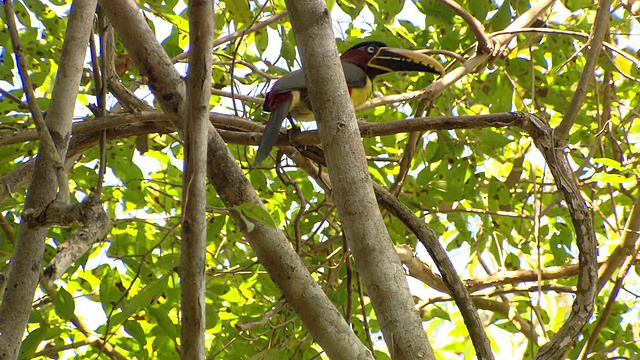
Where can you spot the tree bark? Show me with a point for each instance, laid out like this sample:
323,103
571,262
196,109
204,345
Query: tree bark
27,257
363,225
193,245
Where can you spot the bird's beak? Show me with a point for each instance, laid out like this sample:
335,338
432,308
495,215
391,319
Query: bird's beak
392,59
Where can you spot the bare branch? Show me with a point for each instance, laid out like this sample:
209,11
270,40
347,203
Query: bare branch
96,228
583,304
598,31
25,270
48,147
484,44
193,247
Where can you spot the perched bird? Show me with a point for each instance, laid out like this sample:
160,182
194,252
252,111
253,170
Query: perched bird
361,64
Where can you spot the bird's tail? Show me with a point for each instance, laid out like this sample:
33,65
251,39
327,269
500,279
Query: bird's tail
271,130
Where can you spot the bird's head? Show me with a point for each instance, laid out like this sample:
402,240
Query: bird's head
375,58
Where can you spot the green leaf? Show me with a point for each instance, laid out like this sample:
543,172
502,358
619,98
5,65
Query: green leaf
610,163
111,290
502,18
167,326
145,297
479,9
238,10
32,341
351,7
134,329
262,40
436,12
610,178
64,304
21,13
512,262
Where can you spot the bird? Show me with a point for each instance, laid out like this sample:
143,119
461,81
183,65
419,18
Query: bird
361,64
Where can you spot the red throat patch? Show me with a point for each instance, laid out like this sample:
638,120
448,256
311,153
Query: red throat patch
272,101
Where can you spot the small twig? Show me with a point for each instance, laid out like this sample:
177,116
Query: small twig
263,319
10,96
249,65
447,53
244,98
235,35
410,149
8,231
106,46
607,45
286,180
349,272
363,307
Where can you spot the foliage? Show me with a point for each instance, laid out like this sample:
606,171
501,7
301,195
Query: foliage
486,193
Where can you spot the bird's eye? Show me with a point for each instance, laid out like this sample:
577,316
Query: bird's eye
371,49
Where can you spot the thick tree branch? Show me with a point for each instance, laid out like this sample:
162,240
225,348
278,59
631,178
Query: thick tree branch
25,270
449,275
362,222
96,227
271,246
193,247
149,58
453,284
47,145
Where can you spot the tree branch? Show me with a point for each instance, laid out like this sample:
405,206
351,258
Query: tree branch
364,227
26,262
598,31
583,304
193,247
97,225
484,44
47,146
271,246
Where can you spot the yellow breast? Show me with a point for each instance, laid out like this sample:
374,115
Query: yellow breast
301,112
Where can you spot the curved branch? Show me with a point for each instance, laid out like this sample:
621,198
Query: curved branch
484,44
583,304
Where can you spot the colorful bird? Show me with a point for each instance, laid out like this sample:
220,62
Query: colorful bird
361,64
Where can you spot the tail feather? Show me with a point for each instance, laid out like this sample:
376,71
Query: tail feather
271,130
